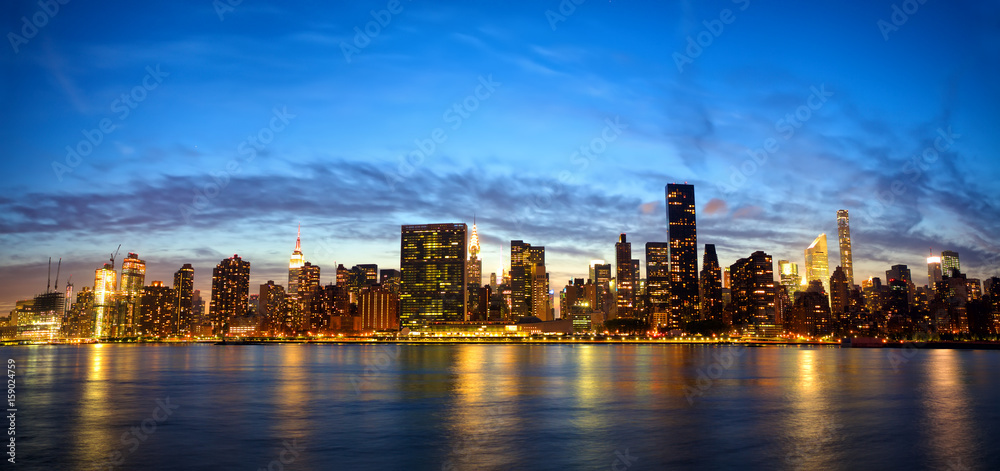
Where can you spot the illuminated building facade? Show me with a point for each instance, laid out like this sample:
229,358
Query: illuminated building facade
308,287
789,275
817,262
433,273
658,281
379,309
133,280
156,311
625,281
295,264
230,293
529,281
273,310
540,299
950,262
844,236
105,296
682,235
184,306
933,270
474,270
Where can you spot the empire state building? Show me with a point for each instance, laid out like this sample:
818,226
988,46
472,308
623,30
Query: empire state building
295,265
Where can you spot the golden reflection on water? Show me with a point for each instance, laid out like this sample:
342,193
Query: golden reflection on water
946,407
292,390
92,442
812,428
486,388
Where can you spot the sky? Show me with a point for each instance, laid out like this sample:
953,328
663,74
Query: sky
190,131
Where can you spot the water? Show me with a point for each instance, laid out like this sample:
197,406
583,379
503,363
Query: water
475,406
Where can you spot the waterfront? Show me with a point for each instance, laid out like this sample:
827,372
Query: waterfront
468,406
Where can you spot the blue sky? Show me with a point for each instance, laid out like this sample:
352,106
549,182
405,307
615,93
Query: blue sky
335,137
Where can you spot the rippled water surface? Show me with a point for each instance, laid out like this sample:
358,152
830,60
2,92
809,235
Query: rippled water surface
476,406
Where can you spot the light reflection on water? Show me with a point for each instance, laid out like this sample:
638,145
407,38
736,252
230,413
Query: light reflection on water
507,407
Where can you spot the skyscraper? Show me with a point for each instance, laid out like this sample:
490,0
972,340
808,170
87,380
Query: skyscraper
105,294
295,264
790,278
683,238
625,277
520,283
184,289
540,301
711,285
230,292
840,292
156,317
308,288
378,308
474,270
846,258
817,262
949,262
933,270
752,290
133,280
432,261
275,315
658,281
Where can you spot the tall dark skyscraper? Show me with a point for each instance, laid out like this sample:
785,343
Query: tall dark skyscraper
625,281
752,287
658,281
432,262
711,285
184,308
230,292
682,235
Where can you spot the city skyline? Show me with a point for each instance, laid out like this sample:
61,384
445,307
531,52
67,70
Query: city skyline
207,133
115,280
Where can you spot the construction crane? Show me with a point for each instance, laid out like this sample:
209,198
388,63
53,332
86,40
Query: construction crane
58,267
115,255
48,284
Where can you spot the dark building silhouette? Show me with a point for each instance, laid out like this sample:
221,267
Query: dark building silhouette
625,281
840,292
184,306
810,315
711,285
752,290
683,238
230,292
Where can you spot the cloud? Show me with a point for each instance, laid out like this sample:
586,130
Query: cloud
715,206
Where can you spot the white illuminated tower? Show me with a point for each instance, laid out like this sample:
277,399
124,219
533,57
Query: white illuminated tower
817,264
295,265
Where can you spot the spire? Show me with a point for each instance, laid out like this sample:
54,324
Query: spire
298,240
474,246
297,259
